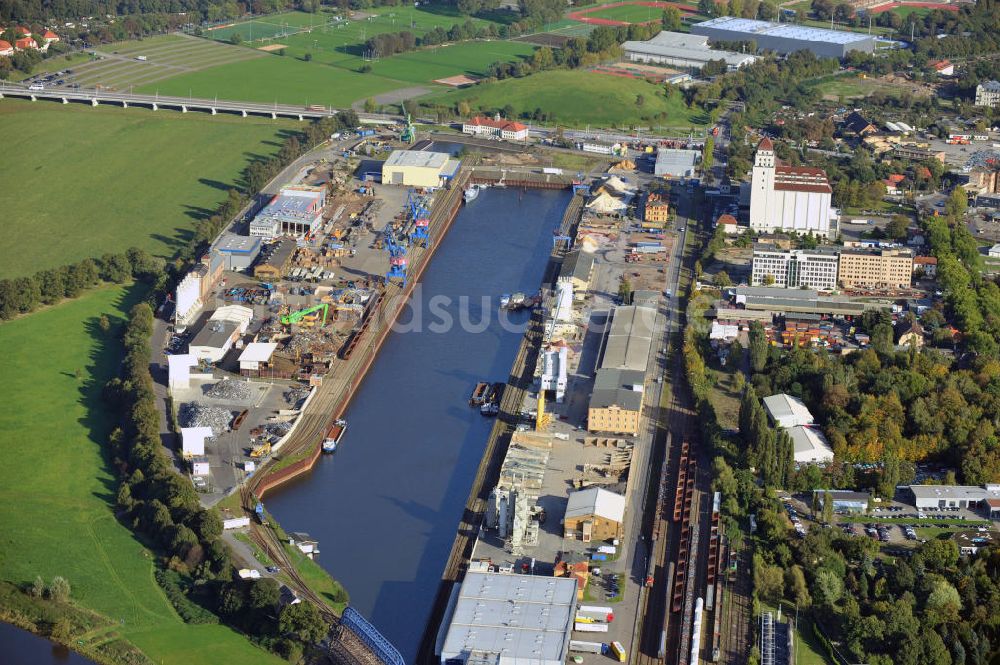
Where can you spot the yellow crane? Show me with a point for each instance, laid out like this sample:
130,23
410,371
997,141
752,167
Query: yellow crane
542,419
262,450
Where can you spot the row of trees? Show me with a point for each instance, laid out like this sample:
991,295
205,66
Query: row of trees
21,295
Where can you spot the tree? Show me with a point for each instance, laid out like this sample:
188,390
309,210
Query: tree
104,323
640,100
768,280
722,279
304,621
59,589
957,203
625,290
671,19
767,580
827,507
795,580
708,7
307,57
236,38
882,339
265,594
827,587
940,554
370,105
758,347
896,229
38,587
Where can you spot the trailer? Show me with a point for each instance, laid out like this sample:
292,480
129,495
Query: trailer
590,627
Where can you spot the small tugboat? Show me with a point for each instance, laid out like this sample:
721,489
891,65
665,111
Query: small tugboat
478,397
471,192
334,435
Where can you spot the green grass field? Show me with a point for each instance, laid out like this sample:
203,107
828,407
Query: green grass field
275,78
92,180
61,490
578,97
629,13
54,64
471,58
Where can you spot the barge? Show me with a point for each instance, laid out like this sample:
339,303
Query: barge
334,435
479,394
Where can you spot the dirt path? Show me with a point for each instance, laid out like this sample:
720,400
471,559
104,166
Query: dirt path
394,96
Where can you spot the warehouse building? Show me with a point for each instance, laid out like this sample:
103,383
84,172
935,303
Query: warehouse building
785,38
616,402
297,210
875,268
630,338
238,252
503,619
594,514
275,260
810,446
844,501
933,497
800,301
577,269
787,411
815,269
418,168
256,358
676,162
682,50
214,340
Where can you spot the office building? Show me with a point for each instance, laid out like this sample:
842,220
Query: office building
988,94
875,268
815,269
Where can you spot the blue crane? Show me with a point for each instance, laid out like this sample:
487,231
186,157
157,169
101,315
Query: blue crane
397,257
420,214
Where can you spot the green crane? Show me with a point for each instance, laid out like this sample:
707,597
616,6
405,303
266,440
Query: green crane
409,135
295,317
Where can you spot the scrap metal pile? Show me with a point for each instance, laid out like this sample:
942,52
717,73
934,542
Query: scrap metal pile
194,414
296,395
982,159
229,389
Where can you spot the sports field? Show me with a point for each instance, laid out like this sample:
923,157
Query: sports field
60,491
331,40
92,180
623,13
579,97
471,58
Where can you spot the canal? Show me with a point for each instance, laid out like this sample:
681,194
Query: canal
19,647
386,505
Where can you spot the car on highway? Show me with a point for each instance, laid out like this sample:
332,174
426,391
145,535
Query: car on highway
36,86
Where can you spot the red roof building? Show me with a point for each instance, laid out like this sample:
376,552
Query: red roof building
801,179
22,31
788,198
50,36
943,68
505,129
25,43
6,48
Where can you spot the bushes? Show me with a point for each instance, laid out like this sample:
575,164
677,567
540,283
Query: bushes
190,612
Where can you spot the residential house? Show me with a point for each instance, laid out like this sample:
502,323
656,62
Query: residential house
893,184
6,48
910,334
927,265
857,124
943,68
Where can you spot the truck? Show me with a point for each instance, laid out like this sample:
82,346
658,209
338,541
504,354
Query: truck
588,647
858,222
590,627
618,651
141,58
597,613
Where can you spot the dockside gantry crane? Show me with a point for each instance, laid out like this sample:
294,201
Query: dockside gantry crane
397,257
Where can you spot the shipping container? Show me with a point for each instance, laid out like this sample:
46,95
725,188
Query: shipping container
587,647
590,627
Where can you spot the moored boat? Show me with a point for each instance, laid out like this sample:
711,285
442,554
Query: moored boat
334,435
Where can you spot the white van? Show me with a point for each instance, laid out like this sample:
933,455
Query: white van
36,86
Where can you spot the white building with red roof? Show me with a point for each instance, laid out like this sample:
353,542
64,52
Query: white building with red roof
25,43
50,37
504,129
789,198
6,48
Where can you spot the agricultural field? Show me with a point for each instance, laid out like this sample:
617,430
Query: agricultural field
93,180
116,67
53,427
578,97
279,79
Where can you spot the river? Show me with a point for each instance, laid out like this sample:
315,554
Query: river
386,505
19,647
